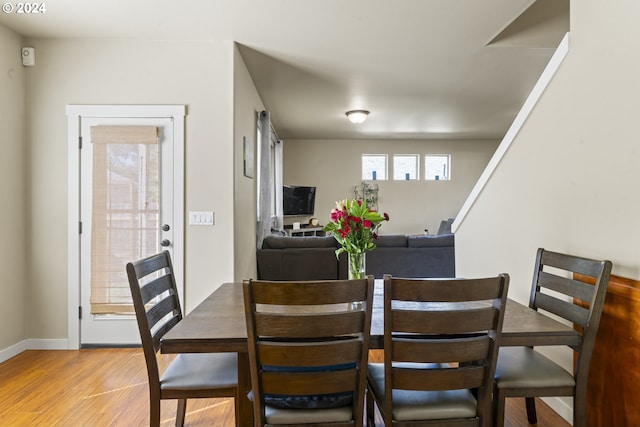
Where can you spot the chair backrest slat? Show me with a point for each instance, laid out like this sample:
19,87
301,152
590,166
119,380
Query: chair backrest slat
444,321
438,379
157,287
151,264
325,292
566,286
441,351
565,309
581,265
161,309
309,383
440,290
312,354
309,325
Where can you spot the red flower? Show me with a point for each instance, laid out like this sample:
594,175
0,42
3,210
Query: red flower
344,232
354,225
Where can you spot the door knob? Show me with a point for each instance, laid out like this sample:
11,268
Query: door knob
165,242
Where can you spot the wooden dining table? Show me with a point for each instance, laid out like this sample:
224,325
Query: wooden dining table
218,325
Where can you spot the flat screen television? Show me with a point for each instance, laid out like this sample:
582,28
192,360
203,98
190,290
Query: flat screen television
298,200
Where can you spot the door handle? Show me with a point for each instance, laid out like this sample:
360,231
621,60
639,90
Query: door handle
165,242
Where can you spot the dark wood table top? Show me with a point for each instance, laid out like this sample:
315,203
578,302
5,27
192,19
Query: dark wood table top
218,324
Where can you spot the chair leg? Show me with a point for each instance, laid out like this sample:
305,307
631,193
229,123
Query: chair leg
498,405
370,411
579,411
154,413
182,410
531,410
236,407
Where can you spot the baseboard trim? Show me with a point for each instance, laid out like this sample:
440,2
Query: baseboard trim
13,351
33,344
561,407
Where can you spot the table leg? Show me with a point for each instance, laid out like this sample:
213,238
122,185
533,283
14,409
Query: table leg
245,406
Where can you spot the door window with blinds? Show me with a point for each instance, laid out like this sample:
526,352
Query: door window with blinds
125,210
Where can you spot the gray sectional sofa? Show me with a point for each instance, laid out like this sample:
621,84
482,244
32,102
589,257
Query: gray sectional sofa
313,258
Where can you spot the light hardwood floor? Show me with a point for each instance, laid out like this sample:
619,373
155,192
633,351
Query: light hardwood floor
108,387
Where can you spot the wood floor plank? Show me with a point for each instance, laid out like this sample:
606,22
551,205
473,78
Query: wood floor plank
108,387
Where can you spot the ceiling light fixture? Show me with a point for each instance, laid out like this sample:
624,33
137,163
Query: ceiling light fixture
357,116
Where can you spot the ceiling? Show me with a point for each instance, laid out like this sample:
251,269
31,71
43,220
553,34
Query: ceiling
426,69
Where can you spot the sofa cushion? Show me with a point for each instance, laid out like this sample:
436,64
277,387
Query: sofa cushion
391,240
286,242
430,241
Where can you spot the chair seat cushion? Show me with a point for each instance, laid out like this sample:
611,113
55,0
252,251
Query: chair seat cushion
423,405
307,416
525,367
309,402
200,371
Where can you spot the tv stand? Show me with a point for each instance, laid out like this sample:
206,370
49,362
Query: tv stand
306,232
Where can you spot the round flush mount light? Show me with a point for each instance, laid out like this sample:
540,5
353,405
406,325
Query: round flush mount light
357,116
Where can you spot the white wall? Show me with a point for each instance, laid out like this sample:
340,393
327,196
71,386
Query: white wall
569,181
13,190
334,167
247,104
198,74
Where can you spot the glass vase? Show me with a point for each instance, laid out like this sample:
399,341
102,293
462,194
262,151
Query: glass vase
357,266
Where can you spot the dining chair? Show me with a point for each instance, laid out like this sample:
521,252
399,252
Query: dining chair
523,371
196,375
441,339
308,350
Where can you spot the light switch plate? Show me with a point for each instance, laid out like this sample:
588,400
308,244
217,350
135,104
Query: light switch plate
201,218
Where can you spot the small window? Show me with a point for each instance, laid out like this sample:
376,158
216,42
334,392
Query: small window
405,167
374,167
437,167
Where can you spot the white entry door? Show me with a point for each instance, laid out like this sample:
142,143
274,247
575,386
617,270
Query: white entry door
127,211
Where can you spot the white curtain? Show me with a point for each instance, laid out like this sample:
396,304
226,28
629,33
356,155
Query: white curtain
269,179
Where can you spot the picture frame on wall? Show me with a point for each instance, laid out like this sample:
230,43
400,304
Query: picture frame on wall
248,157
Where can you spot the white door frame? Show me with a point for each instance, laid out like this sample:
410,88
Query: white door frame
74,114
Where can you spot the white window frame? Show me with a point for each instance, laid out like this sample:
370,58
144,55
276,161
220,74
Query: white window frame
447,173
386,167
416,158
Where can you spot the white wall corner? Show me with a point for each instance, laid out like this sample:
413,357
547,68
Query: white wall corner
537,91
